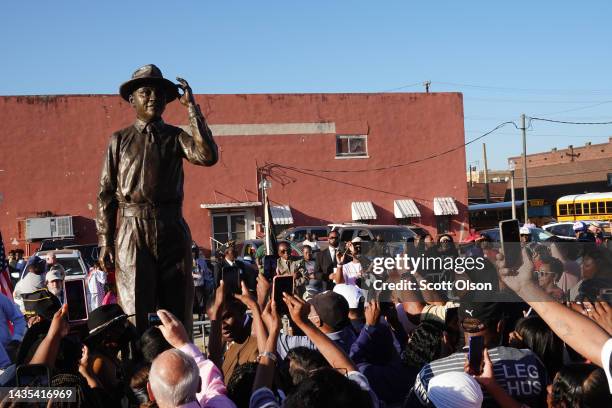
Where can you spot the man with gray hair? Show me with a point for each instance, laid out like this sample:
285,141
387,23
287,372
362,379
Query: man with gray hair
182,376
174,380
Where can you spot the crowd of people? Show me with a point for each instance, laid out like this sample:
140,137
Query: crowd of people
332,341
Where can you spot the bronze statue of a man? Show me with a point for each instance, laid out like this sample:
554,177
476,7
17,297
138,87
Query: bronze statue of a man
140,224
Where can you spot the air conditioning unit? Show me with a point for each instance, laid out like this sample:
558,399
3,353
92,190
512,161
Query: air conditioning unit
49,227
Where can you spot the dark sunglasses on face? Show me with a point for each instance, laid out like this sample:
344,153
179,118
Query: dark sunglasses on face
283,251
542,273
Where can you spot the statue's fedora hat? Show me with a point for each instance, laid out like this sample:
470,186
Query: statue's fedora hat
149,75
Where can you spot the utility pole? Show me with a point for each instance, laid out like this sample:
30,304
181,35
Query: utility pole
512,167
265,185
486,173
525,201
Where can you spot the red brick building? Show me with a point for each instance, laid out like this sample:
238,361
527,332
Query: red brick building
324,154
559,172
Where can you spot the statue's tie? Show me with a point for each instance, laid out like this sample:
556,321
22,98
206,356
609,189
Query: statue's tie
151,163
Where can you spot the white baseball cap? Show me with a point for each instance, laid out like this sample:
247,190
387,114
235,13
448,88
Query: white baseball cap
353,294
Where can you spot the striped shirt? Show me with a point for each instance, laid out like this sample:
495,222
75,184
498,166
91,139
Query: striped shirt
519,372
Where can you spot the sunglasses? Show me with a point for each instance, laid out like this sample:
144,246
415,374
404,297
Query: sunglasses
283,251
542,273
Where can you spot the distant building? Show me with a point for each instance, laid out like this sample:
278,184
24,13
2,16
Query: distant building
495,176
477,192
559,172
330,158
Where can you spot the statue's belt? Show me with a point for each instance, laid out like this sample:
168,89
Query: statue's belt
148,211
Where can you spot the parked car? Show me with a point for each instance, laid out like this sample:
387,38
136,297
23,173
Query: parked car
89,252
537,234
58,243
388,233
298,234
565,229
561,229
70,259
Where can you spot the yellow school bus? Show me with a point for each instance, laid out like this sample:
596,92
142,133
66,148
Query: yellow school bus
589,206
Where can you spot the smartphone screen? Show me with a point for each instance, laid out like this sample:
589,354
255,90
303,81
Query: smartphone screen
33,375
476,353
74,291
231,279
510,241
154,320
282,284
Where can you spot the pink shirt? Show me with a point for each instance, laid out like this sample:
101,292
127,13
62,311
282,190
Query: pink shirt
213,393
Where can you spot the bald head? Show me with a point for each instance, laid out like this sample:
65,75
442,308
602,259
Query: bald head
174,379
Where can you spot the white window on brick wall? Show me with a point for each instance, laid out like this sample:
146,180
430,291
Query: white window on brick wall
351,145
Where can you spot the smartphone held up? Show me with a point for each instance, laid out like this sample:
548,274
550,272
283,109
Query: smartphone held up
282,284
76,299
510,240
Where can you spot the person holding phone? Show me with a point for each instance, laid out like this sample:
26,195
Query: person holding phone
485,320
349,271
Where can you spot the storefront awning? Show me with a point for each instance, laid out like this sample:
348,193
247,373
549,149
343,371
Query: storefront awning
281,214
363,210
220,206
445,206
405,209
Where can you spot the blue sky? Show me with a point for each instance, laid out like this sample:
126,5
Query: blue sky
548,58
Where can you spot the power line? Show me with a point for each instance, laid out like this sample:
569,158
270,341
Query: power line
403,87
393,166
271,166
576,109
532,90
571,174
568,122
596,103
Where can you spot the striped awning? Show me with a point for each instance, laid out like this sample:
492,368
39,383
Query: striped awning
405,209
363,210
281,214
445,206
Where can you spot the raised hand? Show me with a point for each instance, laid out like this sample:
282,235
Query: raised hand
270,317
372,312
187,97
215,309
172,329
298,308
519,279
245,297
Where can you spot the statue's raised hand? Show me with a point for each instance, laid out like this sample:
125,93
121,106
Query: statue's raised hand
187,96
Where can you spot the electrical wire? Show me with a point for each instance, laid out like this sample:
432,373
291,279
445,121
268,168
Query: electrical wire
531,90
403,87
394,166
565,122
569,174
